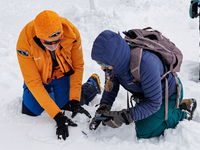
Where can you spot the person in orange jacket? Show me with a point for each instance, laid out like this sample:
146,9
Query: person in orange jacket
50,56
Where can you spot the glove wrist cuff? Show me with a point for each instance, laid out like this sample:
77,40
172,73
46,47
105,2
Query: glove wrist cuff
104,107
60,119
126,115
73,102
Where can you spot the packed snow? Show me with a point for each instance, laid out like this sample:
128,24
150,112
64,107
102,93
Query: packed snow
22,132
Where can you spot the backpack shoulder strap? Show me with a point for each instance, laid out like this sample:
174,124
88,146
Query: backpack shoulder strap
136,55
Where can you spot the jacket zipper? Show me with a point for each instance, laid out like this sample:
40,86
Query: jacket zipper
61,63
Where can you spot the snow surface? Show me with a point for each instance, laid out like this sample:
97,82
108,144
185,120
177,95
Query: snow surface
21,132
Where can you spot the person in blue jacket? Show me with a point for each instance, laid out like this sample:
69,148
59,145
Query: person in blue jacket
112,53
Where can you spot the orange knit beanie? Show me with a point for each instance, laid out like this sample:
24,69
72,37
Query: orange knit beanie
48,25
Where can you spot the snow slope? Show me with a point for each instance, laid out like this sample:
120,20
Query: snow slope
171,17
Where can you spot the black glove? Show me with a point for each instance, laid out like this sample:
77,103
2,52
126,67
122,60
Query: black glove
62,125
115,119
96,120
76,108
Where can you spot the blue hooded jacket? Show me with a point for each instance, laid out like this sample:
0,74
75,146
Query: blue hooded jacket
111,49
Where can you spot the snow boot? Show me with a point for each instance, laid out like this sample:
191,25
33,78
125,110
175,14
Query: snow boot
188,106
95,81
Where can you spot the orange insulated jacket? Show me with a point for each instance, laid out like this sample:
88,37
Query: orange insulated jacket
37,66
